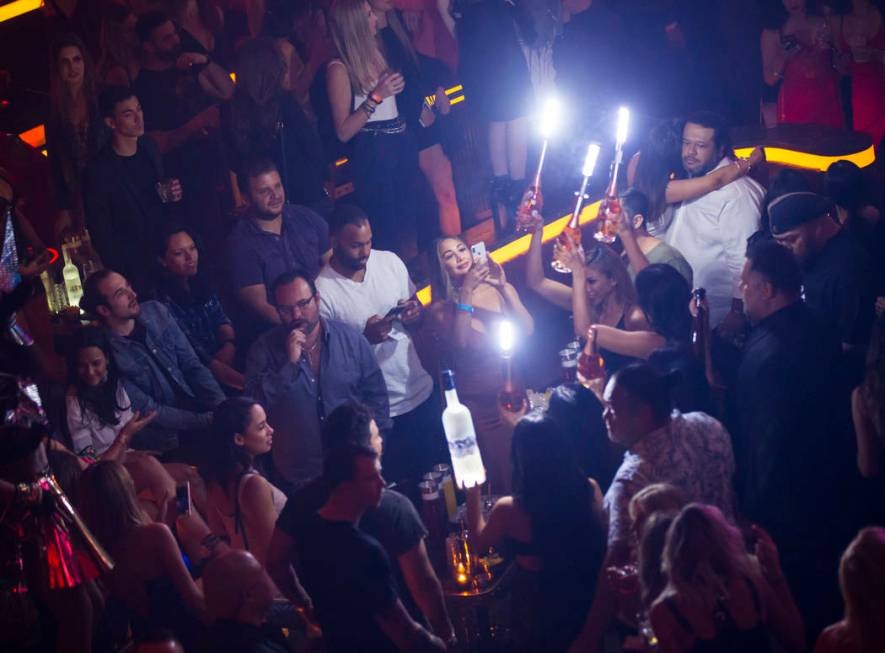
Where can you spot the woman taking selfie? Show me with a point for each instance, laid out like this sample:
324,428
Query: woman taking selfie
471,298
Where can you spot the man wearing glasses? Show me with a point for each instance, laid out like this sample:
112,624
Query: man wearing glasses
302,370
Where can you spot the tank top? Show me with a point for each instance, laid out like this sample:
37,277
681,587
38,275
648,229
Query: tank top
234,527
385,111
728,638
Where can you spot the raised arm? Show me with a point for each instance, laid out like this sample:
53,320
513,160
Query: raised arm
683,190
554,292
639,344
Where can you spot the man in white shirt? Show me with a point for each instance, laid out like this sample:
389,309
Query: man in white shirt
371,290
712,231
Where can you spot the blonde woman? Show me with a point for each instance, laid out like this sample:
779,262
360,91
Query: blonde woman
362,92
470,299
717,597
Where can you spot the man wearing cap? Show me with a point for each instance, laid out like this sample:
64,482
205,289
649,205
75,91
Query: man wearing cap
837,274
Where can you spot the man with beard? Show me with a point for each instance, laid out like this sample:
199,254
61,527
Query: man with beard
180,92
273,238
711,231
837,274
156,363
302,370
370,290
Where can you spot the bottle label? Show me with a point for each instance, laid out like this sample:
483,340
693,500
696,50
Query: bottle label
462,447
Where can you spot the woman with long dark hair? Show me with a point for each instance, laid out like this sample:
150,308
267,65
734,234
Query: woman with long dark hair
657,171
553,524
264,119
183,287
75,131
243,506
367,113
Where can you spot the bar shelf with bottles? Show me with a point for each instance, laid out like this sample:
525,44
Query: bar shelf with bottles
63,279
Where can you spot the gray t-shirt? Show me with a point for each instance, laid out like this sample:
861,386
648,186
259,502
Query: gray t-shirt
664,253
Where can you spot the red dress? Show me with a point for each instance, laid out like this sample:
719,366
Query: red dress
868,91
810,90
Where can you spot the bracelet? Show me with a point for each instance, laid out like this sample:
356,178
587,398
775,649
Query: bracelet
367,108
467,308
376,97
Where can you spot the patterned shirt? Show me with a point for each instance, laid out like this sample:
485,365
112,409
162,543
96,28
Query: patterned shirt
692,452
199,320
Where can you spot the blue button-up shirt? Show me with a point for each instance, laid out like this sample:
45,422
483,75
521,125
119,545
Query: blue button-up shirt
297,401
164,374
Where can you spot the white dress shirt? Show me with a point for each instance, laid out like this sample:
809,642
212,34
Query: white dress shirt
354,302
711,233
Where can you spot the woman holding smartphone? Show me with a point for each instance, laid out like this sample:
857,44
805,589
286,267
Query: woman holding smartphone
362,90
471,298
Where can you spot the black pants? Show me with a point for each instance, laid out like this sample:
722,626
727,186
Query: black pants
414,445
385,170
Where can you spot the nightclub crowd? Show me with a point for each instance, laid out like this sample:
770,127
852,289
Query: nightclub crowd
222,406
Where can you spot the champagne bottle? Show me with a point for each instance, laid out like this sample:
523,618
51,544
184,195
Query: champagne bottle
460,434
591,364
610,207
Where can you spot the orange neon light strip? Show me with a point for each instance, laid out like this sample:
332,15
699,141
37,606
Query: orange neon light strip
785,157
520,246
17,8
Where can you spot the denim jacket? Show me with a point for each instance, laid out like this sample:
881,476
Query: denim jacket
164,374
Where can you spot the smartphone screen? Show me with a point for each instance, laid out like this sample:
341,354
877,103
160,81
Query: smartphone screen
183,498
479,252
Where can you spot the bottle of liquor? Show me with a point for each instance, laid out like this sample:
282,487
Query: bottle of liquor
573,228
458,426
610,207
698,332
591,364
71,275
512,396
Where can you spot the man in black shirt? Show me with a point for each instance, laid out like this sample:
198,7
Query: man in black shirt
273,238
394,523
793,445
180,92
837,274
346,572
123,207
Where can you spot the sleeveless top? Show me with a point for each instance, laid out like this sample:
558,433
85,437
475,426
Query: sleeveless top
728,638
385,111
234,527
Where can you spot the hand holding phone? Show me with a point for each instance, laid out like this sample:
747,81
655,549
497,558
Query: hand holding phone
480,255
183,498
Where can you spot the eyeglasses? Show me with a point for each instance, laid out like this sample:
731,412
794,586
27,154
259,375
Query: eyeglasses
285,309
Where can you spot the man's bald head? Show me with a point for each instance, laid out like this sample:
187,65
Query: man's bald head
237,588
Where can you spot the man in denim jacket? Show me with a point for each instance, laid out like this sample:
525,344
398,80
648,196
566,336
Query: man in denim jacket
157,365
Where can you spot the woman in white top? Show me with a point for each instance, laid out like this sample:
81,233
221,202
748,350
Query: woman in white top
243,506
362,96
102,424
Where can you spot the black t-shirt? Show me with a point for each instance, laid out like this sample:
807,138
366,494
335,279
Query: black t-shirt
840,288
347,575
394,523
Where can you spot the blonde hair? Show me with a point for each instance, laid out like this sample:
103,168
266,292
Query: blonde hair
657,497
108,502
704,554
862,579
442,286
356,45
